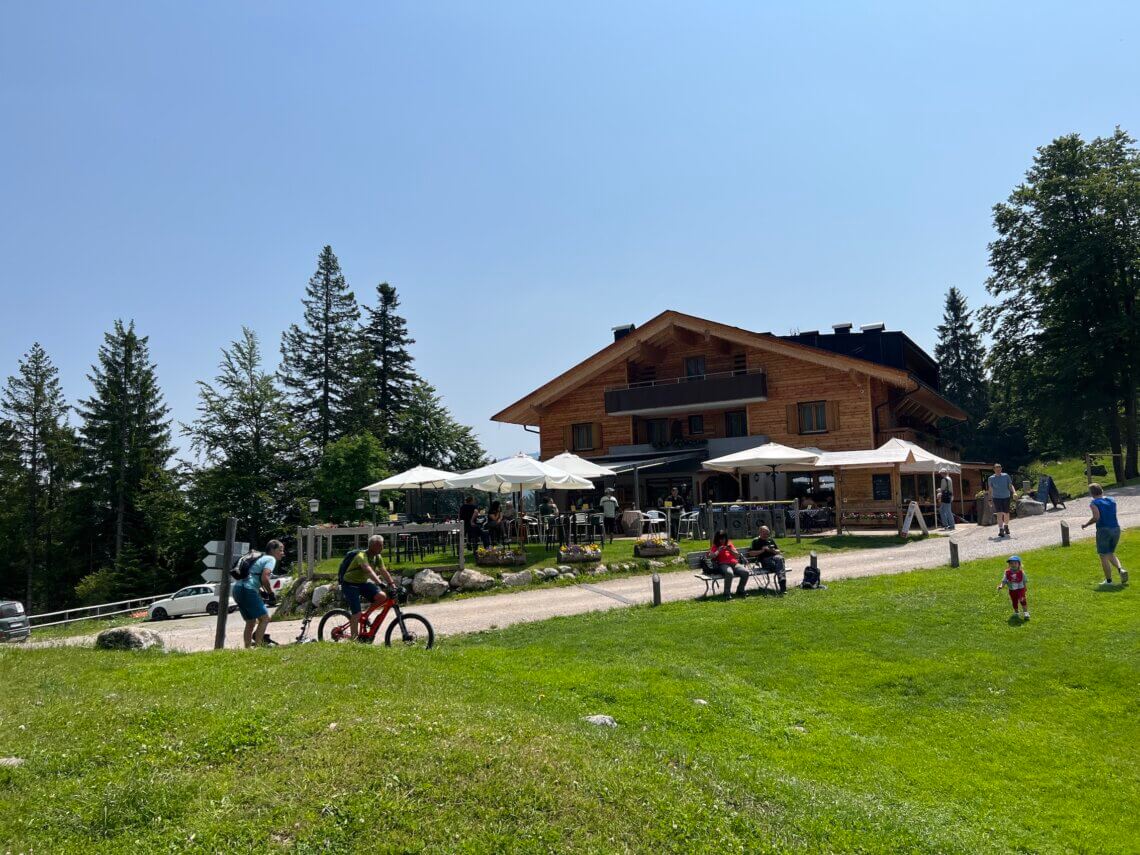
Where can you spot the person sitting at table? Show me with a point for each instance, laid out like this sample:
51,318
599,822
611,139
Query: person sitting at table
509,512
765,549
479,528
495,522
547,508
727,559
466,515
676,499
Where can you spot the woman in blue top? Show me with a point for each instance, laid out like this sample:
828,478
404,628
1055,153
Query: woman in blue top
1107,533
247,593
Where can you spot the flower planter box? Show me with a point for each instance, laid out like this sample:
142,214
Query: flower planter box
579,557
498,559
655,551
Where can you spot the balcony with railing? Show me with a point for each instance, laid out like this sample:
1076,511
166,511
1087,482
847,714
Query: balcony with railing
683,394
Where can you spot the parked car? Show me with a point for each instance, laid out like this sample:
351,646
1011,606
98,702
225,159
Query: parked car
277,584
14,624
193,599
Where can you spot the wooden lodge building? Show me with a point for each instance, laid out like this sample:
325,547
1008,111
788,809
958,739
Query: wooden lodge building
679,390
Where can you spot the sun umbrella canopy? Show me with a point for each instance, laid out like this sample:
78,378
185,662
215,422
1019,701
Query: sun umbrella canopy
416,478
872,458
924,461
764,458
520,472
579,466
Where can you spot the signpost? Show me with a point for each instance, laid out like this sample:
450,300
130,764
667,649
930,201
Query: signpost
215,561
912,514
228,552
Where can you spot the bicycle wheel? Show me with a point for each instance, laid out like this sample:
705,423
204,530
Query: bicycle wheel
411,630
335,626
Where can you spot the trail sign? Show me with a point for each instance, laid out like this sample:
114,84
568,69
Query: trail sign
213,575
218,547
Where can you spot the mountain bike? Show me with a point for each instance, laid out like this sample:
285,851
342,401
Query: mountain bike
409,629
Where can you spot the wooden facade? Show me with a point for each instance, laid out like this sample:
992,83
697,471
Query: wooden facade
811,397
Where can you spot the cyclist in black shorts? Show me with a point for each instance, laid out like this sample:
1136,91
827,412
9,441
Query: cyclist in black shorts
361,581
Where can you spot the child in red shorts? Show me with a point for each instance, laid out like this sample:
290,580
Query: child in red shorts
1014,579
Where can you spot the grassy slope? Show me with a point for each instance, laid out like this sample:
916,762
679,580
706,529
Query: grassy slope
1069,473
901,713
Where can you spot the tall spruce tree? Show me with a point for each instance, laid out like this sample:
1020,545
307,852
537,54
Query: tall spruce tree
251,447
962,366
390,377
33,404
317,358
125,444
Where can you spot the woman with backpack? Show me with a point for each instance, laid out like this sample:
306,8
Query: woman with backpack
246,592
727,561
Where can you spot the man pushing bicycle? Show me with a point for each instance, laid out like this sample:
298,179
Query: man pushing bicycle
360,580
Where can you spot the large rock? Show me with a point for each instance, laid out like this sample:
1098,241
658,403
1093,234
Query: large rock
516,580
128,638
471,580
428,583
552,572
600,720
1029,508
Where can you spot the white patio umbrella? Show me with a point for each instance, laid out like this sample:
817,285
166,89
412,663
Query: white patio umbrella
579,466
417,478
771,457
521,472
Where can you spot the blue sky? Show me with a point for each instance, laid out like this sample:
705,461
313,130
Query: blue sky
526,175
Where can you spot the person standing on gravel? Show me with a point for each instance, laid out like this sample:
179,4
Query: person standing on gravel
247,594
1000,489
1107,533
946,501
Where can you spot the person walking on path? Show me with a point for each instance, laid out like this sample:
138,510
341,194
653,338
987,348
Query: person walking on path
609,505
728,563
946,501
1014,579
1000,489
1107,533
247,594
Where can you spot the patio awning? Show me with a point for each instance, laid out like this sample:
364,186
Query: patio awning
628,464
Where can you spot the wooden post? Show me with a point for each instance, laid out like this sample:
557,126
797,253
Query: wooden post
896,495
224,590
656,589
953,552
1088,468
797,520
1064,533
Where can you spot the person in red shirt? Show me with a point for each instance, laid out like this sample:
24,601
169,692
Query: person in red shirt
728,563
1014,579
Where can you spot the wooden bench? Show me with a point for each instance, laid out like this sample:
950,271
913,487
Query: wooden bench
766,580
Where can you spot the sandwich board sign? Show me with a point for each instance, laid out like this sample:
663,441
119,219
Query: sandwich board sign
913,513
213,562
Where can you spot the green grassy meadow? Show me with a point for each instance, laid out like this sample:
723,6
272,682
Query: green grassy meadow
1069,473
893,714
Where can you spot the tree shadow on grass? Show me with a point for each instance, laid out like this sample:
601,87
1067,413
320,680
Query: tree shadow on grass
1014,620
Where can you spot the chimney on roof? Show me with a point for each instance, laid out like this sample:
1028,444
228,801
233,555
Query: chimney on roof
879,327
841,329
622,331
810,332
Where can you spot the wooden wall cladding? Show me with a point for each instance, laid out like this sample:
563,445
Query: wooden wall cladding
584,404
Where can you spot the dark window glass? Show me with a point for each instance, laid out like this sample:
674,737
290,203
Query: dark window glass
735,423
881,488
694,367
657,430
583,437
813,417
696,425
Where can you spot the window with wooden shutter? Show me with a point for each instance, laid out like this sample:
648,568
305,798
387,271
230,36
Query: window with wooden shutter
813,417
597,435
793,418
832,415
582,436
568,437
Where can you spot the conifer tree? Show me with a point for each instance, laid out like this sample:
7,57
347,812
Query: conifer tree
318,357
33,405
427,434
961,365
390,377
125,445
245,433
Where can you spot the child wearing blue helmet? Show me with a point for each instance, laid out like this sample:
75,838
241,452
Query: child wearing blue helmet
1014,579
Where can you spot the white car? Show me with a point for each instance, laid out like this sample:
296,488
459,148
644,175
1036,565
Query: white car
279,583
193,599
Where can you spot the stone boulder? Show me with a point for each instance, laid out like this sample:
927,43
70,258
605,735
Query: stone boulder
471,580
656,565
1029,508
428,583
517,580
552,572
129,638
600,720
569,575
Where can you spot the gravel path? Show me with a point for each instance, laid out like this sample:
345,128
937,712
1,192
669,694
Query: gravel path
482,613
